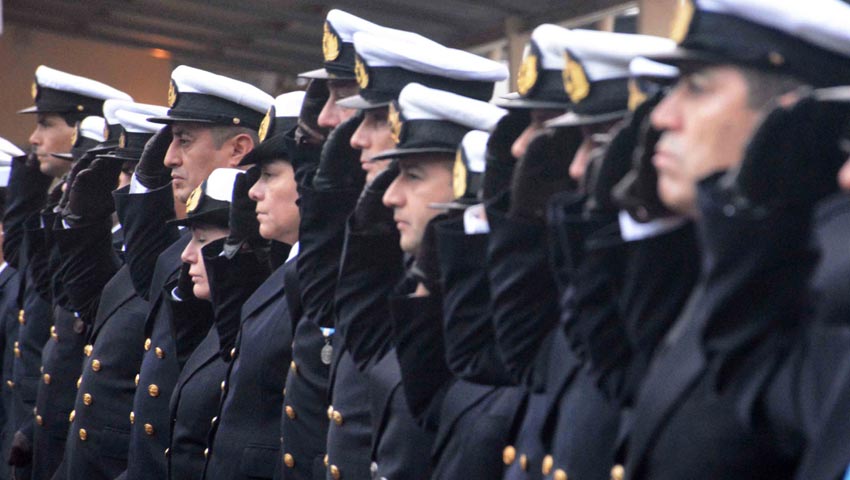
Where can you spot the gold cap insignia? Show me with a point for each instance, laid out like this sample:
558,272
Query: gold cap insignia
394,119
575,80
122,140
194,199
527,75
172,94
636,95
76,135
682,20
361,73
106,133
330,44
265,124
459,175
34,90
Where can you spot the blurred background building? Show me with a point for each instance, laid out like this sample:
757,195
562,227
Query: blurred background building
134,44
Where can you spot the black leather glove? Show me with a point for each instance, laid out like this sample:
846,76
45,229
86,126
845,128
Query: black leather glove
21,453
185,286
426,266
90,194
54,195
151,170
543,172
617,161
309,131
244,227
637,192
79,165
370,213
339,164
794,157
500,160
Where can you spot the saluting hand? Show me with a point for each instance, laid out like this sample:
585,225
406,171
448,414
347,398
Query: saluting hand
637,192
794,157
542,172
500,160
339,164
370,213
90,194
244,228
151,170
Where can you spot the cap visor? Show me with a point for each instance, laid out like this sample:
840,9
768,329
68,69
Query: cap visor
63,156
361,103
518,102
169,120
833,94
119,157
682,57
32,109
407,152
571,119
319,73
456,205
102,148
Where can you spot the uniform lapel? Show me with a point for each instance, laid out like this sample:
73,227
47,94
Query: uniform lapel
268,291
206,352
829,455
677,365
109,304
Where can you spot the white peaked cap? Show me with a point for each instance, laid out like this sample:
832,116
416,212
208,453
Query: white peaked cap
346,25
607,55
111,106
643,67
51,78
552,41
9,150
219,185
289,104
194,80
821,22
92,127
428,58
134,117
418,102
474,145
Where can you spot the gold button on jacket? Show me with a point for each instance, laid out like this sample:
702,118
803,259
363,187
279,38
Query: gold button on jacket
509,455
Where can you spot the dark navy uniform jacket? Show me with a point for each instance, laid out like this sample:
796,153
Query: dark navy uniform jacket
245,440
25,248
113,354
173,329
371,265
9,285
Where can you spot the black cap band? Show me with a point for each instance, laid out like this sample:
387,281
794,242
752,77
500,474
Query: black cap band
49,100
548,87
209,108
342,67
437,134
130,146
605,96
385,84
731,39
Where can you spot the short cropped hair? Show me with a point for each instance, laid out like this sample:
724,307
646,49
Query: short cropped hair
766,86
221,134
